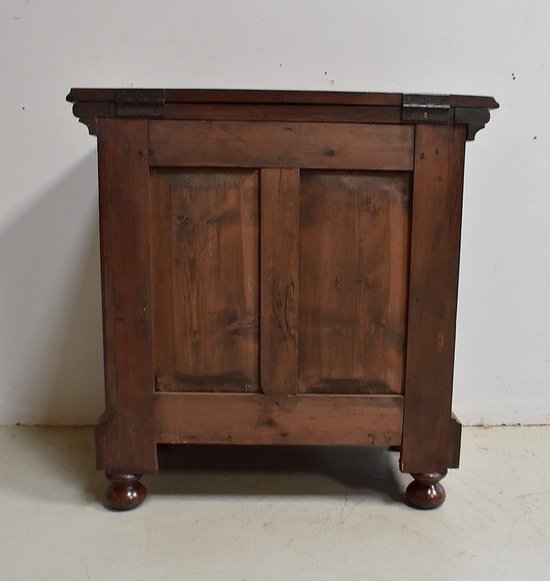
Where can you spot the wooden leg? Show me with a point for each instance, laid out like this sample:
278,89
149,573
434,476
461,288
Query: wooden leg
425,491
124,492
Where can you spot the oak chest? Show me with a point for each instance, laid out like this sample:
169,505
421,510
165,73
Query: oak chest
279,268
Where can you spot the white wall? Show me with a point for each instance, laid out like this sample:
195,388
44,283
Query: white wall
50,341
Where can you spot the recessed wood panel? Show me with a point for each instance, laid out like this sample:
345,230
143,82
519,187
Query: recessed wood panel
205,279
354,246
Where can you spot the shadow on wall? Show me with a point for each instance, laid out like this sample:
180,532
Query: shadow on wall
50,306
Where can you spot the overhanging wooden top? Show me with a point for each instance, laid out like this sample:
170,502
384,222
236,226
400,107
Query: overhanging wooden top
327,106
275,97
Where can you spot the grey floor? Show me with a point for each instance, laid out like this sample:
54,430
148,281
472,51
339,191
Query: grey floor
275,514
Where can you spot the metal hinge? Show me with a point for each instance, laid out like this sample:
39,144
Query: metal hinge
140,102
427,101
431,108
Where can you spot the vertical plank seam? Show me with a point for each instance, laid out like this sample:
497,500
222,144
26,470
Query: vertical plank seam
110,373
297,193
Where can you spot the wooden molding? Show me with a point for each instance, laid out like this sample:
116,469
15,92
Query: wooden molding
474,119
306,106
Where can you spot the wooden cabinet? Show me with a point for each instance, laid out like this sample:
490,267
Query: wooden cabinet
279,268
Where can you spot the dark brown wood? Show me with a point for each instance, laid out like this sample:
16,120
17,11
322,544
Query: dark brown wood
89,113
205,279
279,267
333,107
354,248
275,145
127,435
279,97
473,101
162,281
435,245
124,492
238,96
455,435
187,418
286,113
270,97
425,491
474,119
279,280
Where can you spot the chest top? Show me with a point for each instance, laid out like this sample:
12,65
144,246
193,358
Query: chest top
305,106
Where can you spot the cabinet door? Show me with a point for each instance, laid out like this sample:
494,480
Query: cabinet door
279,256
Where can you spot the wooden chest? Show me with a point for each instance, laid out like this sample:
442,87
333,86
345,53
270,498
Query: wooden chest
279,268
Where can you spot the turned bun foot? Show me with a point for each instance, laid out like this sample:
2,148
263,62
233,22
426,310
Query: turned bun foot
425,491
124,492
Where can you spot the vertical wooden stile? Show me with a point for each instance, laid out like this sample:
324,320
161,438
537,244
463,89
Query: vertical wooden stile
126,437
435,245
279,239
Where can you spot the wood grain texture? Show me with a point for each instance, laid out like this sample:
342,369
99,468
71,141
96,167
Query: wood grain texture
280,197
280,97
354,246
258,419
126,433
205,279
330,106
275,145
270,112
270,97
435,245
274,273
